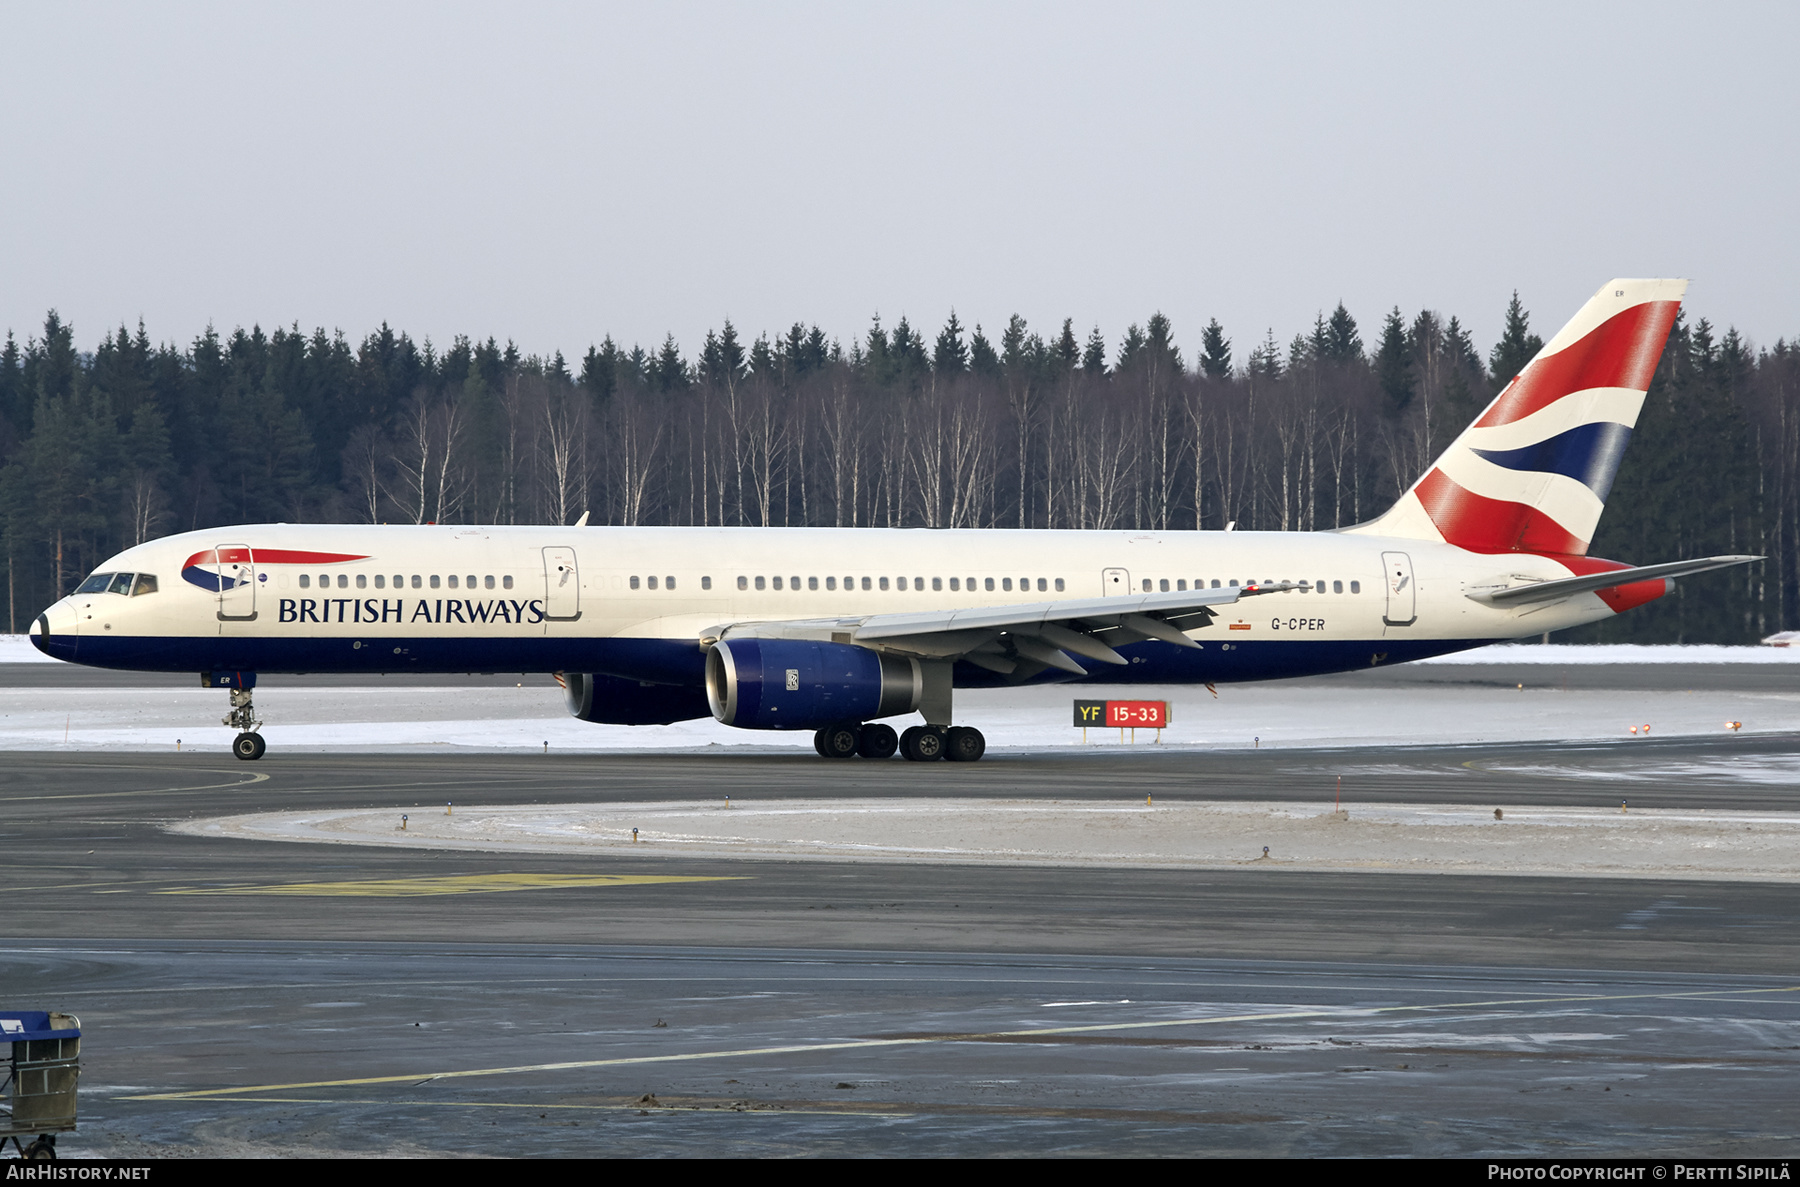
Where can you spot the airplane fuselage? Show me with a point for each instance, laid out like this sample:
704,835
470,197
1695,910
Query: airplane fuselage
644,603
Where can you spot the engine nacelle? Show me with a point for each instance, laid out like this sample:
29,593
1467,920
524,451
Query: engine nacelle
611,700
792,684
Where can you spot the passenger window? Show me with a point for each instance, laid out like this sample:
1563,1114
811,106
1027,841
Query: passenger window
743,583
1059,585
1006,584
305,582
937,583
761,584
865,584
1146,585
777,582
1043,586
381,582
452,580
1233,583
488,581
1163,585
468,582
706,583
634,582
1215,583
1356,587
988,584
831,583
955,585
883,583
362,581
146,584
794,584
1180,584
506,581
343,581
668,583
434,581
1337,587
417,581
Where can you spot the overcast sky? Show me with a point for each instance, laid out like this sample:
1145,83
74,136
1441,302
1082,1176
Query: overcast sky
552,173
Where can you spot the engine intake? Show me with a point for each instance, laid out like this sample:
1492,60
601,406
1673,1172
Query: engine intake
791,684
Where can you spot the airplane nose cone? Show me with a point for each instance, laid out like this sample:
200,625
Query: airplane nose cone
56,630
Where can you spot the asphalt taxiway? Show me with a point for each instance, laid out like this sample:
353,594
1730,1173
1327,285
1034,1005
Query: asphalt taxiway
246,996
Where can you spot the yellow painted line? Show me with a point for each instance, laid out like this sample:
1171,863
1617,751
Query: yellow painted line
450,884
765,1111
924,1040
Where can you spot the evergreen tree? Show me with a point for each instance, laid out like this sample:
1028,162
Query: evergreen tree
1394,363
599,370
669,371
1067,351
1159,344
1343,343
1516,347
1093,358
907,352
983,359
763,362
950,356
1215,351
1265,360
1131,347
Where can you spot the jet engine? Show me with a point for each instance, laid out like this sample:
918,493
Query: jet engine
792,684
610,700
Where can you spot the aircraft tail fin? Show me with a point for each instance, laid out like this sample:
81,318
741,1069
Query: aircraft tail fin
1532,473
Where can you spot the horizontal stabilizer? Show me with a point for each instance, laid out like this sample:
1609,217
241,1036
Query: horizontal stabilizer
1549,591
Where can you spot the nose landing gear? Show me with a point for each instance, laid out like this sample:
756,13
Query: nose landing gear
248,745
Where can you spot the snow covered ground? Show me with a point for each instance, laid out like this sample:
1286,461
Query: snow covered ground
169,711
1131,833
1282,714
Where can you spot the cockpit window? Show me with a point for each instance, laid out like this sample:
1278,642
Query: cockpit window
121,584
146,584
95,584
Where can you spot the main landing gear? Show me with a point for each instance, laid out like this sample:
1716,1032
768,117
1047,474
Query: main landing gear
921,743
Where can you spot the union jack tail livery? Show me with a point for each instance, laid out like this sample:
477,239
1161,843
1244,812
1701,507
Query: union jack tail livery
1532,473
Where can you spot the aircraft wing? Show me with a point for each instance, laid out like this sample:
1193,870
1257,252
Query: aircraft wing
1023,639
1549,591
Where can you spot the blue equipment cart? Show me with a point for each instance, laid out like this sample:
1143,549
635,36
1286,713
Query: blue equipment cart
39,1088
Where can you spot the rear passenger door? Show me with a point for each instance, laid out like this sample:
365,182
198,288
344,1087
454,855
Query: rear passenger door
562,585
1402,591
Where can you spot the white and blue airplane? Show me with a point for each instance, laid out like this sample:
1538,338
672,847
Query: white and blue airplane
834,629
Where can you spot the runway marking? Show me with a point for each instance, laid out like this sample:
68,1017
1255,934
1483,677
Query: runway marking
447,884
762,1110
104,795
924,1040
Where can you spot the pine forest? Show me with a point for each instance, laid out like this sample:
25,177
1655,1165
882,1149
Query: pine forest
903,427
